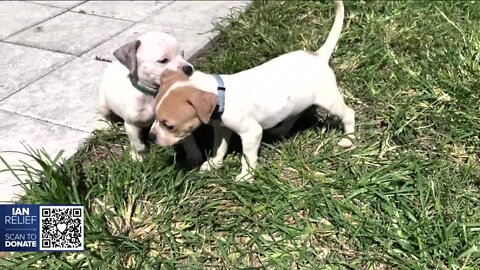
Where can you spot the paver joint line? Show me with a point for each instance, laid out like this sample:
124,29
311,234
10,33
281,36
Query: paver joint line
30,46
131,26
39,78
68,9
42,120
40,22
101,16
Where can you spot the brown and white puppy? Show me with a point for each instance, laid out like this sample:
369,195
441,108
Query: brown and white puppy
145,60
255,99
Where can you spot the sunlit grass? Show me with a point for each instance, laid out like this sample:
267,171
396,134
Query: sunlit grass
405,198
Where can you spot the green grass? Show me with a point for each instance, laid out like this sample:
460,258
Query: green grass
407,197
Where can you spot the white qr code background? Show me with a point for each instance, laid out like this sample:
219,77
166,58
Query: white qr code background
61,228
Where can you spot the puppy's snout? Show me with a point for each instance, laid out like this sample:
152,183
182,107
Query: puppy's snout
152,136
188,70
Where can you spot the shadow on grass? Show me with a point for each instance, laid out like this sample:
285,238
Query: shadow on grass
310,118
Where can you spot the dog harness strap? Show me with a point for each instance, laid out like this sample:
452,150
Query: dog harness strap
145,90
221,96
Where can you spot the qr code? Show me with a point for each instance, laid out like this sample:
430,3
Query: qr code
61,228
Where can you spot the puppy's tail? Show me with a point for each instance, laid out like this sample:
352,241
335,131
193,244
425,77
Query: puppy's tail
325,52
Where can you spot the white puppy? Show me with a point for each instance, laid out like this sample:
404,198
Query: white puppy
253,100
129,87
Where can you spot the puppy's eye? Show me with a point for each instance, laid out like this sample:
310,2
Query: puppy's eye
168,126
163,61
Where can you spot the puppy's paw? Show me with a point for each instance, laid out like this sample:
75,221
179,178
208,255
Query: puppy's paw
244,177
102,124
206,166
136,156
210,165
346,142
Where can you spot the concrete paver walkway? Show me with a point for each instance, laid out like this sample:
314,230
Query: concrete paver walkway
50,78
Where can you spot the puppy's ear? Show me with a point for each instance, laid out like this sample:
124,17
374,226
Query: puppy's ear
168,78
127,55
204,104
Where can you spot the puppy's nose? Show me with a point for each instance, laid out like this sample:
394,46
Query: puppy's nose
152,136
187,69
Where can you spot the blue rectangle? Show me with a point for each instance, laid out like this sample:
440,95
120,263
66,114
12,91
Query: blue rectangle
20,229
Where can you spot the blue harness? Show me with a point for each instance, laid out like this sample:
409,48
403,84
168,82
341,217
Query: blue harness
217,113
